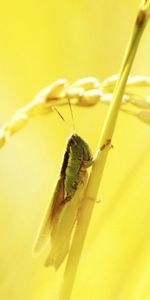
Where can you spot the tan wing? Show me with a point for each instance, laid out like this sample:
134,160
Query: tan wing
63,227
44,231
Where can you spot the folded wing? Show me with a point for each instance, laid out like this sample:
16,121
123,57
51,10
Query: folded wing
44,232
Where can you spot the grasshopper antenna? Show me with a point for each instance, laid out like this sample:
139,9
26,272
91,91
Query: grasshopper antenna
57,111
72,115
54,108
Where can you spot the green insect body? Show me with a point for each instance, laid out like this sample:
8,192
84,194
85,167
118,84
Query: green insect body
62,212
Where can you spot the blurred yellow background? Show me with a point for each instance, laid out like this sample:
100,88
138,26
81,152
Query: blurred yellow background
42,41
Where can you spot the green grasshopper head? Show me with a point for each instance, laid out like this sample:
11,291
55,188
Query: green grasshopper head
83,147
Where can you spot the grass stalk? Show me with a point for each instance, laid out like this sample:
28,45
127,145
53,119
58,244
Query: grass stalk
101,156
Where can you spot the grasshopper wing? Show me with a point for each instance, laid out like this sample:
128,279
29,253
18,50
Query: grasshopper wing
44,232
63,227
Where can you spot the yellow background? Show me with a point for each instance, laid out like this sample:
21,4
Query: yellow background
42,41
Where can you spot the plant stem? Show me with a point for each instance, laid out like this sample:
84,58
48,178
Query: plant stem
101,156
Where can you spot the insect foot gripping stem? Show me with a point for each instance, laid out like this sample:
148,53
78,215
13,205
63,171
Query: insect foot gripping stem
108,143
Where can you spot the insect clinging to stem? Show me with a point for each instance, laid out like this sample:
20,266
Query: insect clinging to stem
62,212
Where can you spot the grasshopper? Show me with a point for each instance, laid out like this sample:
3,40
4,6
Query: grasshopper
62,212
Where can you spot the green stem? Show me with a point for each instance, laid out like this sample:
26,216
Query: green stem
100,160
